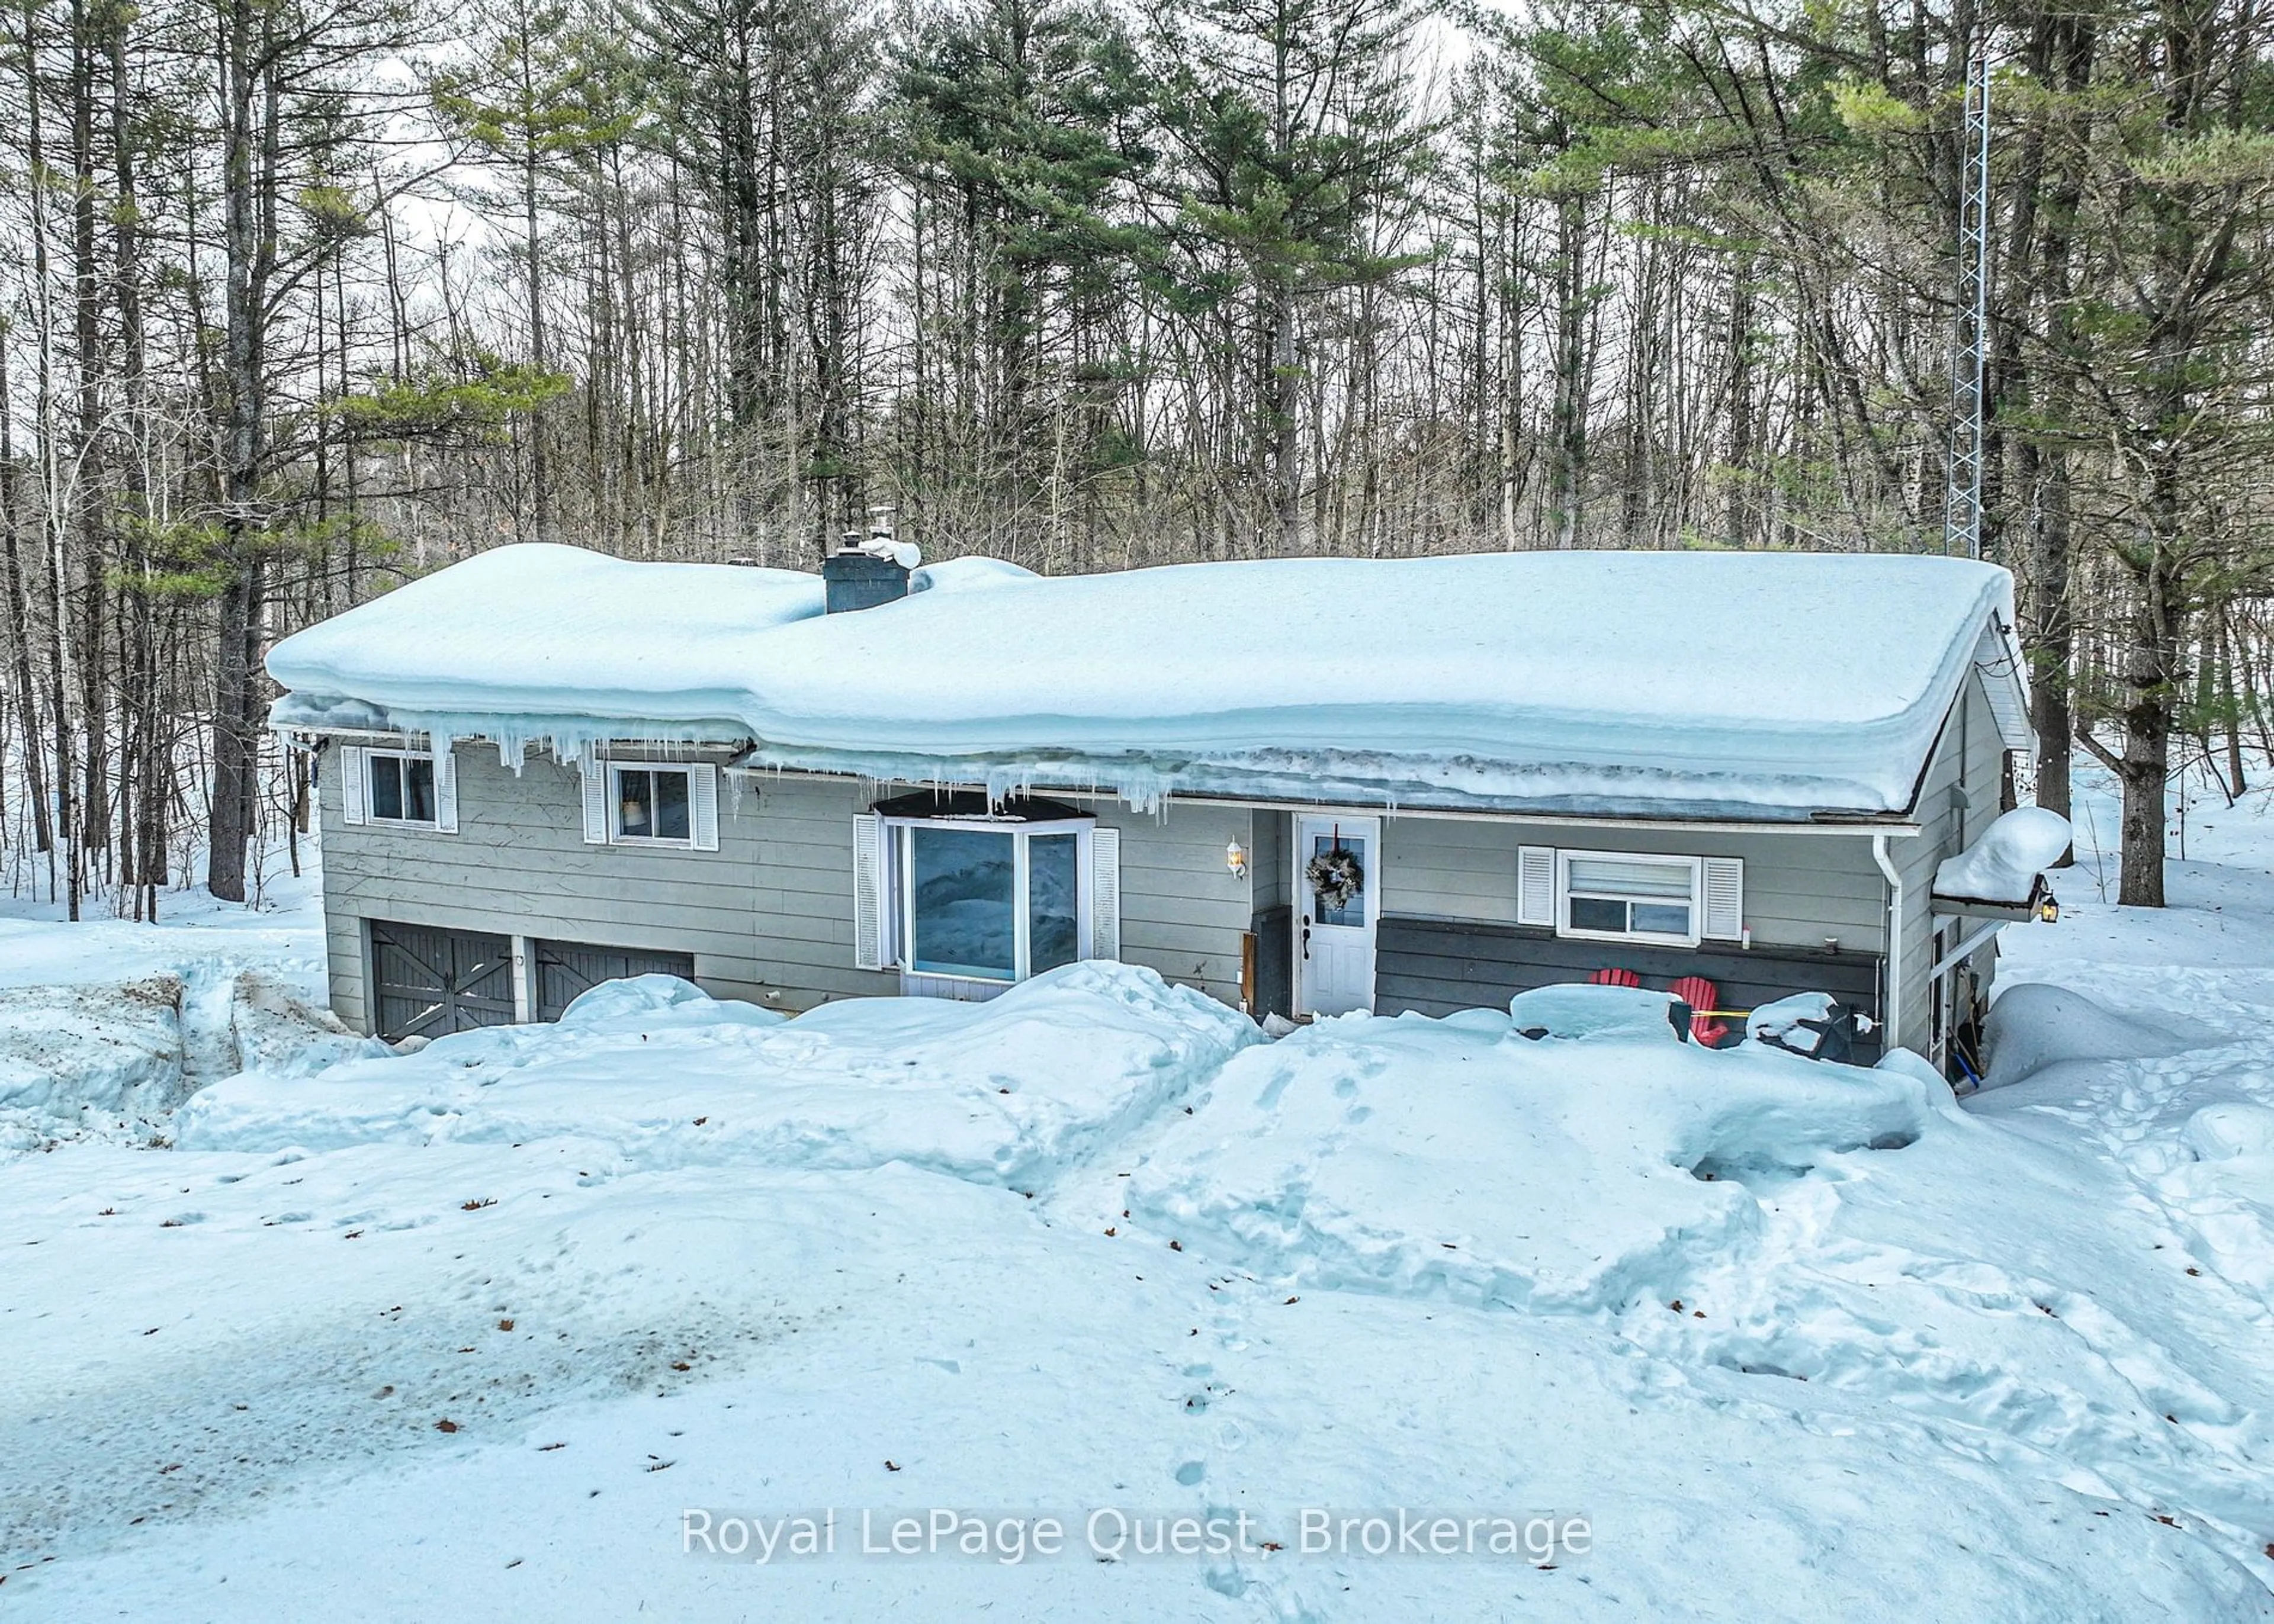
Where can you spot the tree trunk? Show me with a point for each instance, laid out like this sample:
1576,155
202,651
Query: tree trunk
249,174
1569,427
2154,637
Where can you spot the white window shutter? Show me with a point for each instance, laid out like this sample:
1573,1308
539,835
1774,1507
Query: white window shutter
1105,892
868,891
355,799
446,790
703,805
1535,885
1724,898
596,801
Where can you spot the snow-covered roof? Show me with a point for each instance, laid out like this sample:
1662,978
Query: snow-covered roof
1773,684
538,631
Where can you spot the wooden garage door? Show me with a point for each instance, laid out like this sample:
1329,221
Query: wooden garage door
565,969
433,982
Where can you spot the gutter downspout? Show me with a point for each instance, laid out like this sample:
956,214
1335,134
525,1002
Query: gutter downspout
1890,1018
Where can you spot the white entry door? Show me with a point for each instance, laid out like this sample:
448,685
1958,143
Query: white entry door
1334,934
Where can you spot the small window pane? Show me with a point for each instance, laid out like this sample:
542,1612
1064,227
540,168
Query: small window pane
636,802
1627,876
670,806
418,790
1053,901
386,775
651,803
1352,911
1599,914
1665,919
962,893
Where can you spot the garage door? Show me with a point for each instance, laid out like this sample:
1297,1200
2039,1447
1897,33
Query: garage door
565,969
433,982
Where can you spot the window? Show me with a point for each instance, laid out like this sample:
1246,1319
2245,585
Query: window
399,789
651,803
674,805
1631,898
972,895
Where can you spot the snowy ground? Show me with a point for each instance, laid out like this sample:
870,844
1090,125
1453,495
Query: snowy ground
1798,1342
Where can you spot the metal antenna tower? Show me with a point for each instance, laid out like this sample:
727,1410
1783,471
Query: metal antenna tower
1961,507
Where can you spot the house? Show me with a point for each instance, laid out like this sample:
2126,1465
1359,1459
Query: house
1305,785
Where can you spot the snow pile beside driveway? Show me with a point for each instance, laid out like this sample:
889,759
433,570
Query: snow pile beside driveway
276,1031
1413,1156
118,1056
1006,1092
66,1050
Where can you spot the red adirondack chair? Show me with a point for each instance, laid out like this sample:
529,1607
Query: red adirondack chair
1615,978
1702,995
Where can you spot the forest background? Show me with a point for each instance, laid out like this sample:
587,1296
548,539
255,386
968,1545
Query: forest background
301,298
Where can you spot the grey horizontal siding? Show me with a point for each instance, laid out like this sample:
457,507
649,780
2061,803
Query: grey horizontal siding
1271,870
344,951
1184,912
802,891
1958,799
1799,887
767,917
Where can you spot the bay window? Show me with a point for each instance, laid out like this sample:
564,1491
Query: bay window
969,893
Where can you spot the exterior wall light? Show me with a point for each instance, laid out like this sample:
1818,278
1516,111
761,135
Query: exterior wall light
1235,859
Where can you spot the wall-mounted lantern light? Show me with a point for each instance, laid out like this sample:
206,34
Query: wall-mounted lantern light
1235,858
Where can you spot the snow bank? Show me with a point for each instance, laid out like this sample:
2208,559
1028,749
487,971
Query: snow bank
276,1031
69,1051
120,1055
645,1002
2230,1131
2035,1025
1414,1155
1770,684
1577,1012
1004,1092
2003,863
968,574
2021,1367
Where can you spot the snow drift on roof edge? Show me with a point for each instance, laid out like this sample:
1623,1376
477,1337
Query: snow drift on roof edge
1774,683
